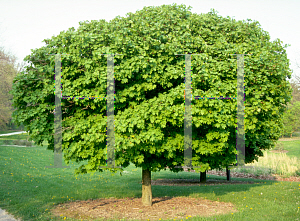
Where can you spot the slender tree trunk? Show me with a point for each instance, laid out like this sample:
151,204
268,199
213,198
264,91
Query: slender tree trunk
146,188
203,177
228,173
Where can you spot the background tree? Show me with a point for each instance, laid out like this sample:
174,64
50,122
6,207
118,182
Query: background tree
291,119
291,122
296,96
8,70
149,90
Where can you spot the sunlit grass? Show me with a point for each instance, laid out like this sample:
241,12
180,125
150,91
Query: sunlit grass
29,190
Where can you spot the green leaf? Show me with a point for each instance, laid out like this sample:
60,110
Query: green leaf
149,88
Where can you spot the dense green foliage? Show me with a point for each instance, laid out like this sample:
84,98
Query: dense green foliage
291,119
149,89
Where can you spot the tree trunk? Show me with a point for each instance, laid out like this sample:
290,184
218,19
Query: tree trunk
228,173
202,177
146,188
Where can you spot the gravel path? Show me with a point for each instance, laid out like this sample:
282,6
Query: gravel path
14,133
4,216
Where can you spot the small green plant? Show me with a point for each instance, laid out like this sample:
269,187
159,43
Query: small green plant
271,171
279,146
22,143
244,170
263,171
7,142
258,172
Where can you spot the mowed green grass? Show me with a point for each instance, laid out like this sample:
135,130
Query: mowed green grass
29,190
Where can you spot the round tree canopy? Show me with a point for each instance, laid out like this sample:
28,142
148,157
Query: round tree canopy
149,89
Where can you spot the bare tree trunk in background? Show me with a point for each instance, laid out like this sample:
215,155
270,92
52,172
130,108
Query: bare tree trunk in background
146,188
203,177
228,173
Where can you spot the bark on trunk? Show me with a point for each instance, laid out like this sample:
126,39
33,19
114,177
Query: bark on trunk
202,177
146,188
228,174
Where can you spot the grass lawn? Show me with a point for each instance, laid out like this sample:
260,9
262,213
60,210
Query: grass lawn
29,190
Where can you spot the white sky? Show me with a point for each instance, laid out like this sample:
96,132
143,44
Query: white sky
25,23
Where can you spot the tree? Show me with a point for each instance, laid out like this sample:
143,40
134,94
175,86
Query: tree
149,90
296,89
8,71
296,81
291,119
